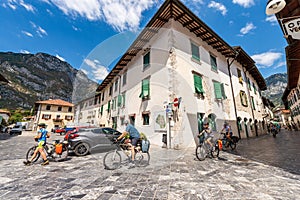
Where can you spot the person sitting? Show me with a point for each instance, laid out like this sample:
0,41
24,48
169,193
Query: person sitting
208,135
134,137
228,133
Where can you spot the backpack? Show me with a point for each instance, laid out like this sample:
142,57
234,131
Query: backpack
145,146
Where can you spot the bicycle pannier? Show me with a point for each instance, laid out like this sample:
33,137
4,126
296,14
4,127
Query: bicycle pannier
58,148
145,146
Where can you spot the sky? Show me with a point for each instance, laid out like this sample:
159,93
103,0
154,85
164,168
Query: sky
79,31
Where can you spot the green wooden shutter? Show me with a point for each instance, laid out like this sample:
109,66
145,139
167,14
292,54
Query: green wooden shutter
198,84
195,52
253,104
213,62
119,100
145,89
223,91
218,92
123,98
101,111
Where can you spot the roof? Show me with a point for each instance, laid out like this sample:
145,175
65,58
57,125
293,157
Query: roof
57,102
4,111
250,66
172,9
290,12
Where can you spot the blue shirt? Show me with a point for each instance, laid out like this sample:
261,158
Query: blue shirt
133,132
44,134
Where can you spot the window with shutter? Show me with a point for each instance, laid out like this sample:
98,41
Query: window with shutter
253,104
218,91
213,63
108,106
195,52
119,100
145,89
146,60
198,84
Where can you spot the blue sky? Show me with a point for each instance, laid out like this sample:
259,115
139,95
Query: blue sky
78,31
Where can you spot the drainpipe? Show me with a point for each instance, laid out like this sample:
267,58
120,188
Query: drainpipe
232,92
248,92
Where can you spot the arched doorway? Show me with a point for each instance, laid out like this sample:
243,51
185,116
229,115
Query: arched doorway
246,128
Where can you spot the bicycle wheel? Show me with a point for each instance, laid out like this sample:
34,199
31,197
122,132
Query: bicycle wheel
30,153
142,159
63,156
200,152
232,145
112,160
215,151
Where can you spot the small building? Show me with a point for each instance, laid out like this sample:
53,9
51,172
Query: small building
54,113
4,115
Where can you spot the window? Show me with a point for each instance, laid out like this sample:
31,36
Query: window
249,83
243,97
253,102
145,89
46,116
70,109
239,72
116,85
115,103
101,111
59,108
123,100
110,90
146,117
219,90
195,52
146,59
48,107
254,88
108,106
103,96
213,63
119,100
57,116
99,99
198,84
124,78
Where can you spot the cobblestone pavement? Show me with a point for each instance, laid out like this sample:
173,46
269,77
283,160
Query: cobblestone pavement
172,174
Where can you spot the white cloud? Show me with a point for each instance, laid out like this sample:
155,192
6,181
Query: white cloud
244,3
27,33
247,28
24,51
280,64
272,19
266,59
218,6
28,7
39,30
60,58
97,71
120,14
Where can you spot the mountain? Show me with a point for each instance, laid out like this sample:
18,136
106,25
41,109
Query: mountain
276,85
40,76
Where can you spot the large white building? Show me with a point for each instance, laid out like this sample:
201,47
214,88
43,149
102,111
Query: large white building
178,59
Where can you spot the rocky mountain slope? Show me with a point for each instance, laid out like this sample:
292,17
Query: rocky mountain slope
36,77
276,84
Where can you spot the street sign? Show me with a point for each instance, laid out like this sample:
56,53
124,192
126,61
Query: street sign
175,102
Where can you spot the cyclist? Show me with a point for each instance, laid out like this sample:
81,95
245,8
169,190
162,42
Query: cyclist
41,137
208,135
134,136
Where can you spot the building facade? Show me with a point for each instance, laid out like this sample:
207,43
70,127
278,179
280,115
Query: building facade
54,113
178,74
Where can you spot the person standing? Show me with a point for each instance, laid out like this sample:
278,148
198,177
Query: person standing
41,138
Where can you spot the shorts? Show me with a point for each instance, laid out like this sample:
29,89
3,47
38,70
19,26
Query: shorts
134,141
41,144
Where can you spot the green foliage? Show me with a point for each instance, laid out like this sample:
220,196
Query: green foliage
18,115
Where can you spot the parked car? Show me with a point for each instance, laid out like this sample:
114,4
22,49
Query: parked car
61,131
85,140
17,129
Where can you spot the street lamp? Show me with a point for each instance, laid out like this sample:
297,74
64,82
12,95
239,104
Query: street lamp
275,6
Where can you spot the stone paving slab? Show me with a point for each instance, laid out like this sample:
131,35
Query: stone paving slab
172,174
